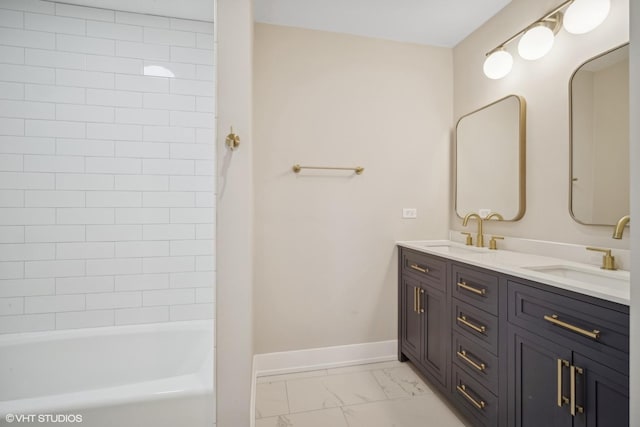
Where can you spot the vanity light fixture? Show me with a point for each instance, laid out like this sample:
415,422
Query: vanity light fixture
498,64
536,40
583,16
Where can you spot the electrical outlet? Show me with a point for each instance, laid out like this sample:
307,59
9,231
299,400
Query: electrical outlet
411,213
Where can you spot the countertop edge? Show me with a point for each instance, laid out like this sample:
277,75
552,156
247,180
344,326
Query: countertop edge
538,260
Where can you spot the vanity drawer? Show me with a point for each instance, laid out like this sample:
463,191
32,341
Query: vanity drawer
476,324
430,269
471,395
476,361
563,317
477,288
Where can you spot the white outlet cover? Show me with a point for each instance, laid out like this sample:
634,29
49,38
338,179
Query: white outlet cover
409,213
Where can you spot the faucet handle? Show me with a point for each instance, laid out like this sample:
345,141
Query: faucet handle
608,261
493,244
469,240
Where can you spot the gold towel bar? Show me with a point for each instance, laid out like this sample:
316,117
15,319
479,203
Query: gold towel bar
358,170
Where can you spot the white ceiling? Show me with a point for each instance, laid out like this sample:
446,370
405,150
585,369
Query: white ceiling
432,22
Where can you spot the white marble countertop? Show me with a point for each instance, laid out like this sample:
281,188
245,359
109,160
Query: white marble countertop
607,285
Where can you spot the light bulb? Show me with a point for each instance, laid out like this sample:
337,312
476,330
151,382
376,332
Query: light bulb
498,64
583,16
536,42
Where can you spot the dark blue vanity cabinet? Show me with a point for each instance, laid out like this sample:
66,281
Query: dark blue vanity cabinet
568,358
423,315
512,352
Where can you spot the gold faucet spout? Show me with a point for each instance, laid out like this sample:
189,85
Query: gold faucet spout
495,215
622,222
479,236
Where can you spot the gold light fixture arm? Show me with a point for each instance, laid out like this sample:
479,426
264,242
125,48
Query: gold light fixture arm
548,17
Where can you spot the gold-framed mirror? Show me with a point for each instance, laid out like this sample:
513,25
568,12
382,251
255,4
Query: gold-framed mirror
490,153
599,139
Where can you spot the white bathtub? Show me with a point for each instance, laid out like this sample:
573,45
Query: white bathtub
141,375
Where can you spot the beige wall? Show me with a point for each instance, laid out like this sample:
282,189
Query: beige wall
544,84
325,266
234,232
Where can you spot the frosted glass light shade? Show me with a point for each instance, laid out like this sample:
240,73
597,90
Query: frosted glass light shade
536,42
498,64
583,16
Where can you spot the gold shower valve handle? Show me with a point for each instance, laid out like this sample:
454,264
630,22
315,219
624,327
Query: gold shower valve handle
232,140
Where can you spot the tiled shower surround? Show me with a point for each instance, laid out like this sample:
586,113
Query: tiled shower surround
107,184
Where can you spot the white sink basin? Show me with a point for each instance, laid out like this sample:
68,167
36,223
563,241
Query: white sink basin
606,278
452,248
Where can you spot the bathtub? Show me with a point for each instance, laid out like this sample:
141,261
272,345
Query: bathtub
140,375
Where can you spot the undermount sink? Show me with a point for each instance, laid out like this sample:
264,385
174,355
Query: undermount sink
450,248
614,279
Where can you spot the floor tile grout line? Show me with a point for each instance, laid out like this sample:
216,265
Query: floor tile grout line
344,415
342,407
370,373
406,398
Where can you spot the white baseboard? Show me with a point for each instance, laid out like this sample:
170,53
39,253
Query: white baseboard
287,362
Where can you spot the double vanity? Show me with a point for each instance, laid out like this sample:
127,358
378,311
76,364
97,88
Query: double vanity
527,333
513,338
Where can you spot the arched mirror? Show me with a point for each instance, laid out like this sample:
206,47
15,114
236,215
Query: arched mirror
599,161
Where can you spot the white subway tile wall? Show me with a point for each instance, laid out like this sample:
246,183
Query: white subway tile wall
107,192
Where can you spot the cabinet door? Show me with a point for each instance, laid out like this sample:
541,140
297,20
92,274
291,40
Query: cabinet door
437,335
533,378
410,318
603,393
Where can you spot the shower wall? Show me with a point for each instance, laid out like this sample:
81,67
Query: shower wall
107,184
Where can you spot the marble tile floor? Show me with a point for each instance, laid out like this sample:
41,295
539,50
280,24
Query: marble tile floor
388,394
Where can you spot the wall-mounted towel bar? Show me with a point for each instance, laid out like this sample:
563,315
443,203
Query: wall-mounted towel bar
358,170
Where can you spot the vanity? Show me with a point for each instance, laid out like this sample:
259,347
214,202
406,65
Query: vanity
515,339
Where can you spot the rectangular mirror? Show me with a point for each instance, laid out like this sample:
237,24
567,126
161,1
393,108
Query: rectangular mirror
490,159
599,161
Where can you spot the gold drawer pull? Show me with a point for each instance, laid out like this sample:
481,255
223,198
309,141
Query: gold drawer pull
573,407
464,321
420,269
561,365
481,292
594,334
462,389
463,355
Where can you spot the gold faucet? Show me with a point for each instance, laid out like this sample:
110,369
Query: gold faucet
479,237
608,261
494,215
617,232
